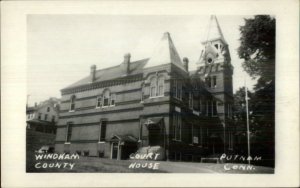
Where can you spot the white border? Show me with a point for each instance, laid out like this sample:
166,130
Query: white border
13,91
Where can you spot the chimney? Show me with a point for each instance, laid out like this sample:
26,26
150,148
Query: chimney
186,63
93,73
126,63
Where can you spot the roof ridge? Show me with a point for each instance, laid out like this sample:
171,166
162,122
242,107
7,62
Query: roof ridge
115,66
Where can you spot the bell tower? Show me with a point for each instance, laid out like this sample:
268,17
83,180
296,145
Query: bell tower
215,69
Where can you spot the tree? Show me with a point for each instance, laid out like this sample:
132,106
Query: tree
258,47
258,51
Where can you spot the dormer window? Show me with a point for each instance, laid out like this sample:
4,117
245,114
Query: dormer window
72,105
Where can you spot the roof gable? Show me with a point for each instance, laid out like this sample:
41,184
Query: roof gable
164,53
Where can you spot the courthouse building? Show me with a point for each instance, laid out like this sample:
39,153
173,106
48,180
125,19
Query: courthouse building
152,105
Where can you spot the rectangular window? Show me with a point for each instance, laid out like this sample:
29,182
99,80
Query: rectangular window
69,132
177,126
200,136
179,90
174,89
46,117
207,108
113,99
214,84
206,137
102,130
142,94
190,100
72,105
208,82
99,102
214,108
161,90
53,118
152,91
106,101
195,135
231,110
227,110
200,106
191,136
174,125
209,104
40,116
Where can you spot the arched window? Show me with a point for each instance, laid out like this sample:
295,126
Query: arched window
72,105
106,98
153,87
157,86
160,86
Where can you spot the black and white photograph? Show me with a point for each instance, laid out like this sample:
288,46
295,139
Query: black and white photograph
169,96
133,93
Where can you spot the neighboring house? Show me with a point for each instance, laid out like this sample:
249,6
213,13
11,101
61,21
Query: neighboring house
152,105
43,117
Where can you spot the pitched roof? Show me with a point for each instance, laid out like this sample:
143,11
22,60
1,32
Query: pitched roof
165,53
214,31
110,73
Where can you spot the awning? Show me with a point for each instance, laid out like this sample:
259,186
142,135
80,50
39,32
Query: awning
123,138
153,122
214,136
39,122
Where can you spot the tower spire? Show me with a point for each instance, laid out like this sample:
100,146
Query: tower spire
215,47
214,31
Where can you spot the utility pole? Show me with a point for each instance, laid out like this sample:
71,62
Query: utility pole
224,137
247,115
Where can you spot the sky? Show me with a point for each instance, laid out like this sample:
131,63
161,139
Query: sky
61,48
